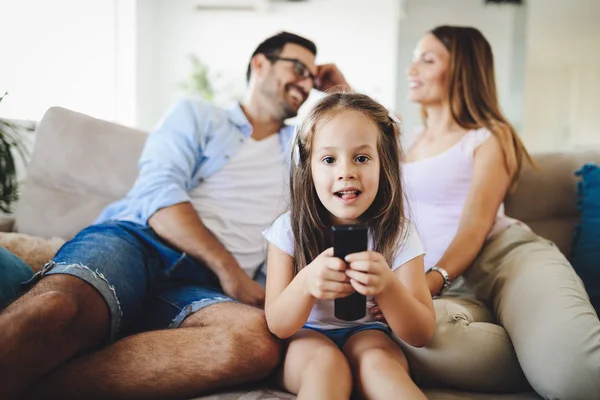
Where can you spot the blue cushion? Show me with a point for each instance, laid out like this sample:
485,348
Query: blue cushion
586,241
13,271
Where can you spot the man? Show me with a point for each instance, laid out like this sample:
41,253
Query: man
178,252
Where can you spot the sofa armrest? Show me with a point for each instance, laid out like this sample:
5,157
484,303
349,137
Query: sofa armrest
6,223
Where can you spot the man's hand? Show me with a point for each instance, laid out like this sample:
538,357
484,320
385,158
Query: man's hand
328,76
242,288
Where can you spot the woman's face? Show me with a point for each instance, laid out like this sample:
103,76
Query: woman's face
427,72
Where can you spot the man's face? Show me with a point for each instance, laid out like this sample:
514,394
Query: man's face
283,86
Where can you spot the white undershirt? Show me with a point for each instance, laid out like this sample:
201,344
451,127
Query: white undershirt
244,198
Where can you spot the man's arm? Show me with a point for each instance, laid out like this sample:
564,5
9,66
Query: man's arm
181,227
160,196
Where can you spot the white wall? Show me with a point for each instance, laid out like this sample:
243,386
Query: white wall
124,60
562,83
498,23
360,37
147,54
59,52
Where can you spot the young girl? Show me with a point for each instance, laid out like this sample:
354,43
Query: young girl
346,170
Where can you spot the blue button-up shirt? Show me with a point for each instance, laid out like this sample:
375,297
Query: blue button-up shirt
191,143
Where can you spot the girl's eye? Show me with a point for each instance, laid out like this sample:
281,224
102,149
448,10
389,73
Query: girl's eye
328,160
362,159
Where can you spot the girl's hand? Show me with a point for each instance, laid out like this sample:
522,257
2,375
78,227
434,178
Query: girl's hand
369,273
325,277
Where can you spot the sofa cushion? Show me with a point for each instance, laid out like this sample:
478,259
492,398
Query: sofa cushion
545,197
586,240
79,165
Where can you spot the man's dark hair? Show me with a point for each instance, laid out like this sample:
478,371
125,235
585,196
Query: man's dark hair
274,45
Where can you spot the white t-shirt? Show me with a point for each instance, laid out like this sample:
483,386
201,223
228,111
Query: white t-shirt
322,315
243,198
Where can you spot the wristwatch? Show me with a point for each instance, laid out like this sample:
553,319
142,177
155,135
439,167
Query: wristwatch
444,274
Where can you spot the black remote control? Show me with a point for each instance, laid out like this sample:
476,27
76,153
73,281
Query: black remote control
348,239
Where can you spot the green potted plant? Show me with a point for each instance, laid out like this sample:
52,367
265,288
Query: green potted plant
12,147
199,80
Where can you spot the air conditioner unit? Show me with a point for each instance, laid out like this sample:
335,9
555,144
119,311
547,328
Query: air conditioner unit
239,5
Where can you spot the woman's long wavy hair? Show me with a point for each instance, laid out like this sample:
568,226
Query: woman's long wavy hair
310,220
472,92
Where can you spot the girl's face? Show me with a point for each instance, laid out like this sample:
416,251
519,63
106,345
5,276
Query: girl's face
345,165
427,73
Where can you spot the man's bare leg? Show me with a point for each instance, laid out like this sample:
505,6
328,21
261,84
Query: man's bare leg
219,346
61,316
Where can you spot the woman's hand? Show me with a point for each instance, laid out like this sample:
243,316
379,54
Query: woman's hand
325,277
369,273
435,282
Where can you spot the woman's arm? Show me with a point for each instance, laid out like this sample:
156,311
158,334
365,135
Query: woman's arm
290,299
491,181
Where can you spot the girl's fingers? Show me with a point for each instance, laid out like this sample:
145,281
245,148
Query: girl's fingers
360,288
328,252
332,275
336,287
361,277
364,256
361,265
336,264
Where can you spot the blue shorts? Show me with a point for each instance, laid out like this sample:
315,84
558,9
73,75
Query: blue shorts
340,336
146,283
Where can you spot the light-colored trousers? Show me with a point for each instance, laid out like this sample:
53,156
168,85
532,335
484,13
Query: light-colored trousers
542,332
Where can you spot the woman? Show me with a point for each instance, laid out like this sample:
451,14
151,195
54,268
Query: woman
458,169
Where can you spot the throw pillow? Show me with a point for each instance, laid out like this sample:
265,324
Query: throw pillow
585,255
35,251
13,271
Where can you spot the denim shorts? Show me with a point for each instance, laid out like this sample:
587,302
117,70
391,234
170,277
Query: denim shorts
146,283
340,336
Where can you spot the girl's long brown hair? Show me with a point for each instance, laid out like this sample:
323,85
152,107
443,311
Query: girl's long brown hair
385,217
472,92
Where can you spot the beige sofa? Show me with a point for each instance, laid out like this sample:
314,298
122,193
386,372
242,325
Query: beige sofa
80,164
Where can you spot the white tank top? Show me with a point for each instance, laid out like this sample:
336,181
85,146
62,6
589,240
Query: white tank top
436,189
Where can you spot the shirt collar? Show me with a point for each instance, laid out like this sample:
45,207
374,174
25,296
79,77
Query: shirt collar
237,117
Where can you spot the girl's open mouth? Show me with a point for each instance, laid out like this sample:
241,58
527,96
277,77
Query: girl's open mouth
348,194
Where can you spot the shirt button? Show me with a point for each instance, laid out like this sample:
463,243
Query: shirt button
227,156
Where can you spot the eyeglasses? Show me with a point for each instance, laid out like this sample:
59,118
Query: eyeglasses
300,68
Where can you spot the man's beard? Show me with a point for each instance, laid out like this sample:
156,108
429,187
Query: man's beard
287,111
282,110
